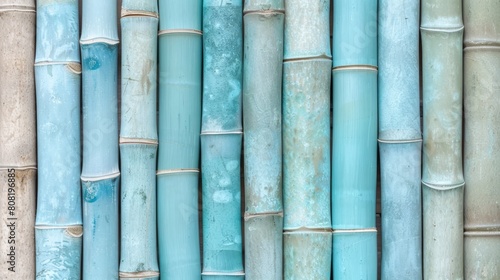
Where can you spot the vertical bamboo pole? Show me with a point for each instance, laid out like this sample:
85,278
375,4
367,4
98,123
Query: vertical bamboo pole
306,140
18,139
442,176
100,174
482,139
262,80
221,133
354,163
180,43
58,226
400,139
138,140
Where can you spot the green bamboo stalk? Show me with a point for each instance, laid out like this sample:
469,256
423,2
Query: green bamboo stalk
442,175
221,137
180,45
58,225
138,140
18,139
481,139
100,174
262,80
306,140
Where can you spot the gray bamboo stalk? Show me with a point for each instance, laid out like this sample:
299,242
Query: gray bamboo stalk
18,139
442,175
482,139
262,80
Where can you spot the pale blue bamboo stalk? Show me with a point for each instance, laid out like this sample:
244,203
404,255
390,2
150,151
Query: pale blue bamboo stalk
354,163
100,174
180,45
18,167
221,139
400,139
58,226
442,175
306,141
262,81
481,141
138,140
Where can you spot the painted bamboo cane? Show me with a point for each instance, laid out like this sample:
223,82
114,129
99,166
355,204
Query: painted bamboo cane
481,139
306,140
354,163
442,176
221,135
400,139
180,44
262,81
18,139
58,226
138,140
100,174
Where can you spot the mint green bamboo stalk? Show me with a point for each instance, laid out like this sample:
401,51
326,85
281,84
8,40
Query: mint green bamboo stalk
100,174
18,139
481,139
442,175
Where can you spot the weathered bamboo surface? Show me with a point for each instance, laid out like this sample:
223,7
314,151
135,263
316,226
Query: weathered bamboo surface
354,162
481,139
58,226
306,141
100,174
442,175
221,136
400,139
180,46
18,140
138,140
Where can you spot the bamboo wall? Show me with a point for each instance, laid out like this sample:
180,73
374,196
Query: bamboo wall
469,212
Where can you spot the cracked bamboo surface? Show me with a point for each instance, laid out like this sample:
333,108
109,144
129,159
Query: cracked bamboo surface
442,175
18,140
481,139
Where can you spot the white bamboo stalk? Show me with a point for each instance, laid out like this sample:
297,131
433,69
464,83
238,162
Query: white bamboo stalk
18,139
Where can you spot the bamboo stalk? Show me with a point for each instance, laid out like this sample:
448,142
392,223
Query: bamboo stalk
306,141
262,81
58,226
221,131
100,174
400,139
354,162
138,140
180,44
442,176
18,140
481,141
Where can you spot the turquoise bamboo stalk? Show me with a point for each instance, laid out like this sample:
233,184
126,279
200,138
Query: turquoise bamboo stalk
138,140
180,45
481,139
58,225
400,139
442,176
262,81
100,174
354,163
221,136
306,141
18,139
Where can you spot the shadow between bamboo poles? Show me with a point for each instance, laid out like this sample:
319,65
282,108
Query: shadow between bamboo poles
58,225
138,140
262,81
18,140
481,141
442,175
